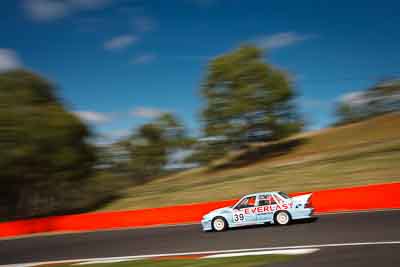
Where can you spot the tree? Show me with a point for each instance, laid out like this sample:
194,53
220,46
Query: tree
173,131
247,99
148,153
44,156
204,151
152,144
384,97
346,113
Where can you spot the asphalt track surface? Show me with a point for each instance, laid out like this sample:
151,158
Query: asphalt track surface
327,229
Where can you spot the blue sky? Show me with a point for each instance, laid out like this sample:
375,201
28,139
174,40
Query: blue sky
119,63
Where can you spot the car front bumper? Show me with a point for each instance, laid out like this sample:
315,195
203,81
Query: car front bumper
206,225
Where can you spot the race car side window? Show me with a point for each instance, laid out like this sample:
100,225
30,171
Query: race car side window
272,200
246,203
264,199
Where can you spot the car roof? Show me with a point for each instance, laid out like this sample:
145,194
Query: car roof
258,193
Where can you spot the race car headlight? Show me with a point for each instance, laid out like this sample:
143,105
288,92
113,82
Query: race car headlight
207,217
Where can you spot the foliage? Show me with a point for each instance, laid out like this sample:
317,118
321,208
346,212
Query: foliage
44,157
248,99
382,98
205,151
152,144
148,152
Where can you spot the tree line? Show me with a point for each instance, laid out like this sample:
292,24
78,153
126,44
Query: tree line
383,97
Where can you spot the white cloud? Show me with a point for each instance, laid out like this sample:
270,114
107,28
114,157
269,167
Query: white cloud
46,10
9,60
146,112
120,42
144,24
282,39
354,98
360,98
93,116
144,58
106,138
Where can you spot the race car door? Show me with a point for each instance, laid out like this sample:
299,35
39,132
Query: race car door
243,212
265,201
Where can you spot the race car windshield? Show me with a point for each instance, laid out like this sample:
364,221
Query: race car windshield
284,195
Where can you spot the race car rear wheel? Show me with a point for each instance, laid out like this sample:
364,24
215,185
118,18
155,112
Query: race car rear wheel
219,224
282,218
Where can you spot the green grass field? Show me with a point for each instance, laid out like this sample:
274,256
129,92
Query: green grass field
358,154
245,261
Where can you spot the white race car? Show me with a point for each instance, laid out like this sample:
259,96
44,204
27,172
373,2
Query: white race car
259,208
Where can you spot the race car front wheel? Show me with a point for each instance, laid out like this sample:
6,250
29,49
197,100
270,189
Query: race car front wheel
219,224
282,218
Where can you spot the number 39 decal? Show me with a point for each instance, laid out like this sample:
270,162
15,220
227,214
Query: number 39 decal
238,217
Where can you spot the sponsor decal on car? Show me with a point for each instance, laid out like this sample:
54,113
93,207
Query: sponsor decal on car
268,208
240,216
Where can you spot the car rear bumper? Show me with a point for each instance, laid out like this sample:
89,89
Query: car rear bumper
303,214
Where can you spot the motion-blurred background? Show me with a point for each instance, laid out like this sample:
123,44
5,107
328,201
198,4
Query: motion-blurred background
127,104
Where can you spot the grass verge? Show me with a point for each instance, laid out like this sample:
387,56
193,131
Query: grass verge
245,261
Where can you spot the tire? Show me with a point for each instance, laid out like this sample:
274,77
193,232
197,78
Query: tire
282,218
219,224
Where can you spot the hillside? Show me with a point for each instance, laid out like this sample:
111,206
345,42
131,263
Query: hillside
361,153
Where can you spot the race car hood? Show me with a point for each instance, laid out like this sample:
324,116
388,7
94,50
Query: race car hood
220,211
